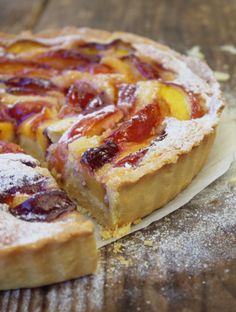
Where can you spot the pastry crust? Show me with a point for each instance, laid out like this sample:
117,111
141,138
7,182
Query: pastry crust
63,250
39,253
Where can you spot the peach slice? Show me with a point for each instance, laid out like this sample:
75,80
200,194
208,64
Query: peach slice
119,66
26,45
7,131
177,100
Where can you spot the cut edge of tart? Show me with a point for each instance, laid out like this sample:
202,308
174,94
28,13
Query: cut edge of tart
44,240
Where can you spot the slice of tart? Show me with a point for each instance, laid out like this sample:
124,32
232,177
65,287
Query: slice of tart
43,239
122,122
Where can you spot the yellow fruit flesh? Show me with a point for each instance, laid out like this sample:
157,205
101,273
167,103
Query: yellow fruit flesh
177,101
25,46
119,66
7,131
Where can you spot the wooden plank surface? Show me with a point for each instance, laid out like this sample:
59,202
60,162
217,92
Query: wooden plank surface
191,263
20,15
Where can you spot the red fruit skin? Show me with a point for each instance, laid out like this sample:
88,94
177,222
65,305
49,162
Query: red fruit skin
136,130
57,157
4,113
126,97
44,206
6,147
132,159
197,109
82,97
62,59
29,85
23,110
140,127
96,157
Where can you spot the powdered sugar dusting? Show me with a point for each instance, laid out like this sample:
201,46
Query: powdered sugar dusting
171,60
192,239
19,157
16,232
15,173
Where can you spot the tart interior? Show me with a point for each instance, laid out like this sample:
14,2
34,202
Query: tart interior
86,108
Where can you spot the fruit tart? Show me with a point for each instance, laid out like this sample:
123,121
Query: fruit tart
43,238
122,122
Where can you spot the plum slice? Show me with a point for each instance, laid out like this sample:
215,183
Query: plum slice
7,147
96,157
28,85
126,97
140,127
23,110
44,206
135,130
64,59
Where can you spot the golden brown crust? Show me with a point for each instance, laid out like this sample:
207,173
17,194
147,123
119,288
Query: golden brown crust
52,260
134,202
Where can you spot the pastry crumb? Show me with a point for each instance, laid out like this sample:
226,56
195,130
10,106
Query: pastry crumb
221,76
116,233
148,243
228,48
117,248
232,180
123,261
195,51
111,269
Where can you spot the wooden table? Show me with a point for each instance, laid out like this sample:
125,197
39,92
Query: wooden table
185,262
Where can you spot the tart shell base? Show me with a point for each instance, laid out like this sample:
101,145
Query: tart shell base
156,189
50,261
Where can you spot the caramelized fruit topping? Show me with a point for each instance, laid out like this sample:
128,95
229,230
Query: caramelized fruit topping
6,147
147,70
25,45
4,113
41,117
22,85
96,157
136,130
19,66
132,159
140,127
95,47
57,158
99,69
23,110
82,97
197,108
44,206
66,59
94,124
32,188
126,97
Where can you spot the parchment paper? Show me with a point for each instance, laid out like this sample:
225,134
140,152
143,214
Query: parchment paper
218,163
